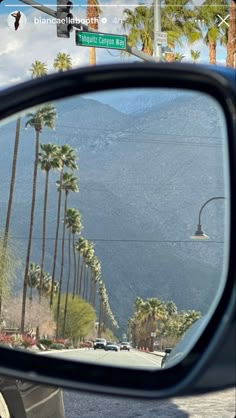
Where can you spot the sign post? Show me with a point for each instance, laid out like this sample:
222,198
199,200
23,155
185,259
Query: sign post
162,38
101,40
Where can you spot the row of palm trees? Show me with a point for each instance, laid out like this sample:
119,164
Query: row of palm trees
51,157
154,317
183,23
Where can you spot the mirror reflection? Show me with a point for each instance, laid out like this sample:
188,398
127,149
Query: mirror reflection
114,224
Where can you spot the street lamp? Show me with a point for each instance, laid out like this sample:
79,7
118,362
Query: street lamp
200,234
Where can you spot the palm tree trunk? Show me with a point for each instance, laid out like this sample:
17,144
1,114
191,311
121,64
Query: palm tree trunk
56,238
78,275
85,281
231,44
9,207
27,261
67,287
212,52
94,295
44,234
62,267
87,284
100,320
81,278
13,176
91,288
75,275
92,56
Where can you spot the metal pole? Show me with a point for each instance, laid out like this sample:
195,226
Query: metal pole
157,48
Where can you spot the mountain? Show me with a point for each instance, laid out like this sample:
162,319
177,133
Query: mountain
143,177
139,101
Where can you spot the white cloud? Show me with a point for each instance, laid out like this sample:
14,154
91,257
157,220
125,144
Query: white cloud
39,42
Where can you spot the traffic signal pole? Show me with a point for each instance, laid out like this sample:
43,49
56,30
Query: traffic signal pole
157,48
80,26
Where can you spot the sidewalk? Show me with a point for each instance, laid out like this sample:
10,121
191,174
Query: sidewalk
155,353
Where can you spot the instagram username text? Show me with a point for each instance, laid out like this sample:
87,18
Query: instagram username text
66,21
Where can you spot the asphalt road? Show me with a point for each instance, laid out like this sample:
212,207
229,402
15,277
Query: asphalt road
84,405
133,358
215,405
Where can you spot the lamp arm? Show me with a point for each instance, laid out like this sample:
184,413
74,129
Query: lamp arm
209,200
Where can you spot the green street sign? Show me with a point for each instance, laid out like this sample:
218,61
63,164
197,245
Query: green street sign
100,40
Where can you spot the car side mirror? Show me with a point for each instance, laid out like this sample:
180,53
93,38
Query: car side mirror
156,148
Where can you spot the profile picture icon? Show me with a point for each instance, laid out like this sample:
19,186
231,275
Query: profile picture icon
16,20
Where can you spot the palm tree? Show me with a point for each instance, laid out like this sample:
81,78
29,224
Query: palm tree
146,315
93,12
62,62
103,300
72,221
95,266
38,69
76,229
69,183
79,247
33,278
213,33
49,160
43,117
195,55
177,19
178,56
9,206
141,26
231,42
67,159
88,253
13,176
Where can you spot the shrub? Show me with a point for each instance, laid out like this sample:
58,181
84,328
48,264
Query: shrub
59,341
46,342
6,339
57,346
27,341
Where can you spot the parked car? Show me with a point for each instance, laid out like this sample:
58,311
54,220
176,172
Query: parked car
111,346
164,358
100,343
125,346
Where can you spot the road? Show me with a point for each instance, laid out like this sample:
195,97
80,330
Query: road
84,405
134,358
216,405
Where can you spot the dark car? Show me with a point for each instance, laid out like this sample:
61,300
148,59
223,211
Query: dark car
111,346
125,346
100,343
164,358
